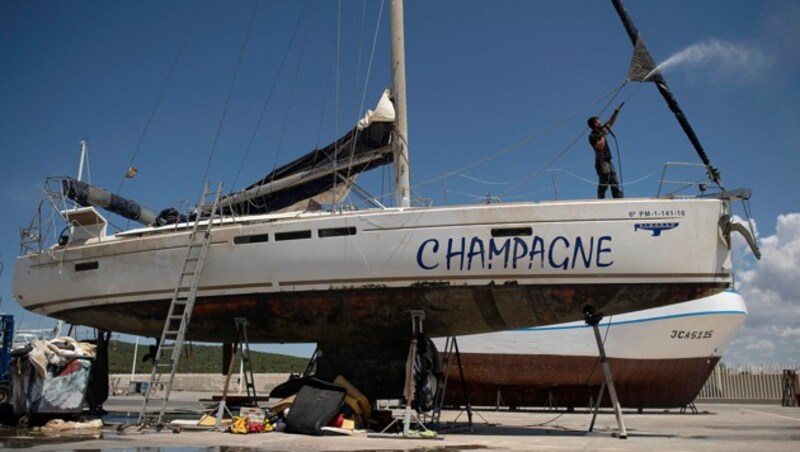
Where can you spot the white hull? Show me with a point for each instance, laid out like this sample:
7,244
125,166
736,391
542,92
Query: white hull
472,269
700,328
660,358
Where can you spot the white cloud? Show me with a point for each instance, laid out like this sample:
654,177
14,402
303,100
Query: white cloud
790,332
771,288
761,346
781,25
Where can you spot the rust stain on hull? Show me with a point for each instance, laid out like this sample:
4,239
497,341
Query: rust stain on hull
573,381
342,315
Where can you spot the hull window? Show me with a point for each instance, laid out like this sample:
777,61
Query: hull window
83,266
512,232
292,235
243,239
337,232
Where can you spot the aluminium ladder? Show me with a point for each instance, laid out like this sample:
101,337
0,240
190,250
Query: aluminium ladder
170,347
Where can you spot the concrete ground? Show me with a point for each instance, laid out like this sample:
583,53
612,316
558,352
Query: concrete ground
722,427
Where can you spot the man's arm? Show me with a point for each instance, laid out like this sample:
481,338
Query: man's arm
613,117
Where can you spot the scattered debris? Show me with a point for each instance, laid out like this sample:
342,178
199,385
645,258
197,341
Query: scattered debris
49,378
57,425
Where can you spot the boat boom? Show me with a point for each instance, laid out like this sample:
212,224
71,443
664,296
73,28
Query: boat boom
661,84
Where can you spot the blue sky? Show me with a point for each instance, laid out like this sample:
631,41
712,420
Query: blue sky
483,76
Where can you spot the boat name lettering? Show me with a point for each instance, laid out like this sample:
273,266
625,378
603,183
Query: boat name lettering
468,253
683,334
656,213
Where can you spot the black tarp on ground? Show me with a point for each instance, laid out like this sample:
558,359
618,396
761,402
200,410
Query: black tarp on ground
314,406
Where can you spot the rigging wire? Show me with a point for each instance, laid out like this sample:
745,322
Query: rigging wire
594,182
616,142
529,194
292,92
337,85
371,60
161,92
356,133
686,185
271,91
528,139
324,102
621,180
483,181
569,146
230,89
366,85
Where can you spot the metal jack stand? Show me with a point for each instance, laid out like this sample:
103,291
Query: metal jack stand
241,348
452,351
593,320
416,329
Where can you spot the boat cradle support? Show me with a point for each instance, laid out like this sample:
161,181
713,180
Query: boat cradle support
593,319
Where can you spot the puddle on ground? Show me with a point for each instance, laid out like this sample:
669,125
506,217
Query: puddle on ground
17,438
12,437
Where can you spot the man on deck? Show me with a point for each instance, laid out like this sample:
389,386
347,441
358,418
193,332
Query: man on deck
602,156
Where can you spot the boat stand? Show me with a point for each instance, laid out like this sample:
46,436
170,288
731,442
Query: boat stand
593,320
241,347
417,317
452,351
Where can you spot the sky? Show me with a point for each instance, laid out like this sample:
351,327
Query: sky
498,96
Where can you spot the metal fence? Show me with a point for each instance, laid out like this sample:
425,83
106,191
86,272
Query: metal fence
744,383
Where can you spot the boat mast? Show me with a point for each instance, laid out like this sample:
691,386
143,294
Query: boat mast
402,197
83,159
661,84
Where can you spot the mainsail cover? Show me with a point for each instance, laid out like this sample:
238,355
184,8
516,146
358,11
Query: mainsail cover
328,170
89,195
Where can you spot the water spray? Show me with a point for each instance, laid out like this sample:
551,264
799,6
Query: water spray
725,56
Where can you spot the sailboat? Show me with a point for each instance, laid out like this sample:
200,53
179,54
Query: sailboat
660,358
349,279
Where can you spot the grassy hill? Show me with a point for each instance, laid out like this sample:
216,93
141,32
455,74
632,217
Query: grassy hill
200,359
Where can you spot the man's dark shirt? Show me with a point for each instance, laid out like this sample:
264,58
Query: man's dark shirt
603,155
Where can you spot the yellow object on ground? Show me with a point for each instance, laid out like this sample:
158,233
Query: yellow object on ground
428,434
361,400
239,425
208,420
283,404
